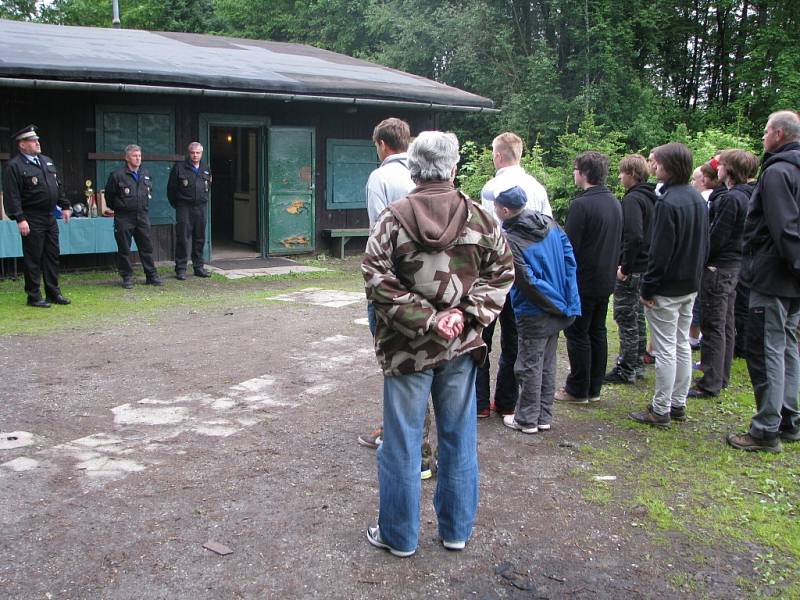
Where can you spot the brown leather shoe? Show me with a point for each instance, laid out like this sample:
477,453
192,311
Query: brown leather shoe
563,395
745,441
648,417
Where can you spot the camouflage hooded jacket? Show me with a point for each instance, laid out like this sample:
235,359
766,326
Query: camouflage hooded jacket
429,252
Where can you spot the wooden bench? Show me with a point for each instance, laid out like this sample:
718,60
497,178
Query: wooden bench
343,235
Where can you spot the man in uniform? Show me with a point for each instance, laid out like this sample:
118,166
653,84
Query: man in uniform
32,192
187,191
128,193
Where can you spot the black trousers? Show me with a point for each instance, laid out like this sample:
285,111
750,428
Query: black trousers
587,347
190,233
133,225
507,390
40,252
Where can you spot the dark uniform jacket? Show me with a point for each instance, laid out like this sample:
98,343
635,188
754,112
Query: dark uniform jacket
187,187
726,226
33,190
679,245
637,222
126,195
594,228
771,263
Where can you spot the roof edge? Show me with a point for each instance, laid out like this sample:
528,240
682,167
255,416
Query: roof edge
55,84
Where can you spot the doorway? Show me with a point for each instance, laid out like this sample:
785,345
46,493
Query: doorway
236,192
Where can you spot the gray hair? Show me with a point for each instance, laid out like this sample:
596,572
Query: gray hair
131,148
788,122
195,145
432,156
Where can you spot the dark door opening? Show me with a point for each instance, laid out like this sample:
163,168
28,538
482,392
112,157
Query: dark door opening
235,192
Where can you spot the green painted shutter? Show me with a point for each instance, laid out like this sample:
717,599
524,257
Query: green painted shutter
291,190
349,164
151,128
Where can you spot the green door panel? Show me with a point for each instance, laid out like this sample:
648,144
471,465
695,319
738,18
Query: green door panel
291,190
152,128
349,164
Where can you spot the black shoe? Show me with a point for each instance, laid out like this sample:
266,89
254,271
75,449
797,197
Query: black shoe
38,303
180,275
616,376
790,435
59,299
648,417
677,413
698,392
127,283
201,273
153,281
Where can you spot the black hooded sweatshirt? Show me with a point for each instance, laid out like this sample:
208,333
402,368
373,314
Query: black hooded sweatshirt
771,262
637,224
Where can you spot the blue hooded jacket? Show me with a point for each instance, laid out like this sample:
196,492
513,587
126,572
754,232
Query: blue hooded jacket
544,265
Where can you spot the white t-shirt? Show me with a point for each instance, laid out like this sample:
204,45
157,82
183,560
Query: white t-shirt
508,177
386,184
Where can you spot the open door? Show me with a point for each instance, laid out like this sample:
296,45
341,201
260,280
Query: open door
291,190
234,148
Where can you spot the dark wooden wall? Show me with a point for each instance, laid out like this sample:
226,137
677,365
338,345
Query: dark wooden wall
66,121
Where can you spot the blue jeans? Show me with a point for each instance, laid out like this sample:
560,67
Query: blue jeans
405,399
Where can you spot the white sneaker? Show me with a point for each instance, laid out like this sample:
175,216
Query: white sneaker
509,421
454,545
545,427
374,538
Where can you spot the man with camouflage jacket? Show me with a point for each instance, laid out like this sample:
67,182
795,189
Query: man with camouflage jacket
437,271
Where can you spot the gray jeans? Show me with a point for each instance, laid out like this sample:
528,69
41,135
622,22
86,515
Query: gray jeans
773,363
669,321
535,367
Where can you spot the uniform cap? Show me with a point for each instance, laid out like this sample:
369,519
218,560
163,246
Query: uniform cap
512,198
26,133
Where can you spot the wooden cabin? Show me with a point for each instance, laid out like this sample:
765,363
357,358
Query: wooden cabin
286,129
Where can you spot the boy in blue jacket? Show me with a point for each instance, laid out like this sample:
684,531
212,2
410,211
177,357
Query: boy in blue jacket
545,300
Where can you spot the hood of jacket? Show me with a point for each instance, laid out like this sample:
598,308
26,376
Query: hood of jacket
787,153
434,214
531,224
645,189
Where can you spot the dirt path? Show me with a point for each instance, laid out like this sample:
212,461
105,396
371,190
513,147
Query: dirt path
153,439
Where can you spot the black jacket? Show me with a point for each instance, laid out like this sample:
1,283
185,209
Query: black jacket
637,222
594,228
771,262
187,187
30,189
679,246
726,226
126,195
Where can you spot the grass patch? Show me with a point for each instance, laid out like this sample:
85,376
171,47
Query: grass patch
98,299
688,480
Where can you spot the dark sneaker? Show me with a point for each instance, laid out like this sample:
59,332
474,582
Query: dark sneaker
790,435
201,273
426,469
372,440
616,376
127,283
483,413
648,417
153,281
59,299
677,413
180,275
374,538
698,392
563,395
38,302
745,441
648,359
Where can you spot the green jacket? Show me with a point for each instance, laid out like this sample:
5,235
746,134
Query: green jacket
429,252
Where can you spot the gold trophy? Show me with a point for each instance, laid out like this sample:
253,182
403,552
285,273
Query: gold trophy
91,203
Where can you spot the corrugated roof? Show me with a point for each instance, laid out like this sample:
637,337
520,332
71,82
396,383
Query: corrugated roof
127,56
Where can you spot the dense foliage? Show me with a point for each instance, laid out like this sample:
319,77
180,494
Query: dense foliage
618,76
